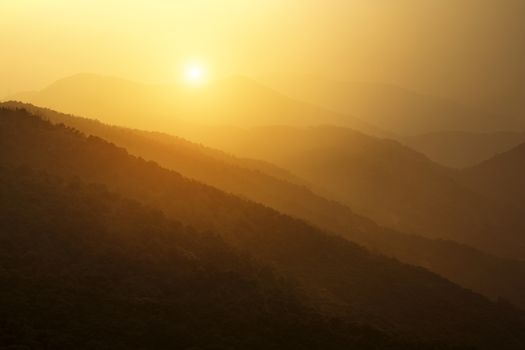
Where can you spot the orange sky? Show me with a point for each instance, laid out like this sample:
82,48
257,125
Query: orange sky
467,48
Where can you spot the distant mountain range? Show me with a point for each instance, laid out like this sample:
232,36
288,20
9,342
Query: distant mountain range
331,177
233,101
381,179
377,178
391,107
339,277
501,177
444,130
269,185
463,149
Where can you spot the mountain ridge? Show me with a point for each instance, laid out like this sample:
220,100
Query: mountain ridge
110,263
495,277
460,150
381,179
351,274
389,106
238,100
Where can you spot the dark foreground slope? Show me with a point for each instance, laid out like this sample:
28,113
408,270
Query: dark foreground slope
362,285
83,268
263,183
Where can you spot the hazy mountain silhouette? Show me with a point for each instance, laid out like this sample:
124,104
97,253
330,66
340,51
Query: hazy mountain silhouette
233,101
463,149
383,180
391,107
263,183
362,285
500,177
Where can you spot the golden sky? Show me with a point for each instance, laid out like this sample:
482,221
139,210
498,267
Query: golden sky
464,48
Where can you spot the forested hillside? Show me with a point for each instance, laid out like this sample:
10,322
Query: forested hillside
262,182
85,268
364,286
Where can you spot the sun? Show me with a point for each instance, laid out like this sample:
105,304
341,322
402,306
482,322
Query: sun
195,74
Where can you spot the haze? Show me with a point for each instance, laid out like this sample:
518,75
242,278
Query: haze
471,50
278,174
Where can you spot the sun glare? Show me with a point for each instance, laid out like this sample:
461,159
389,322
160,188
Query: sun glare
195,74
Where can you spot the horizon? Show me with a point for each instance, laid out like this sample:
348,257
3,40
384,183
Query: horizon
382,42
262,174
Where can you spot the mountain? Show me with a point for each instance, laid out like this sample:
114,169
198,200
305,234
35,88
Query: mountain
86,268
192,159
234,101
463,149
263,183
500,178
351,281
383,180
391,107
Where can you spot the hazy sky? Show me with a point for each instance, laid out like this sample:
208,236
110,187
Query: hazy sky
449,47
